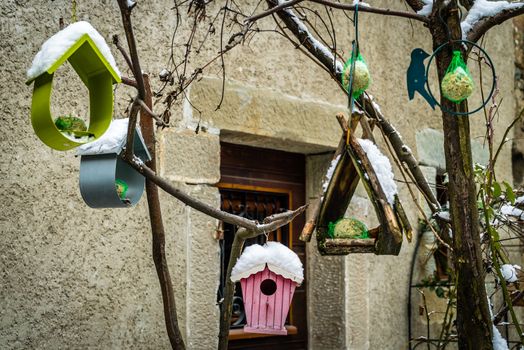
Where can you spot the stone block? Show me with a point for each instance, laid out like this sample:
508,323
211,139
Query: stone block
186,156
268,113
430,148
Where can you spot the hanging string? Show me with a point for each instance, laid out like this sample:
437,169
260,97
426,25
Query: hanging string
73,11
354,55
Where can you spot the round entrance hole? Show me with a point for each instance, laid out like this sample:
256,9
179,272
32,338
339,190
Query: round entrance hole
268,287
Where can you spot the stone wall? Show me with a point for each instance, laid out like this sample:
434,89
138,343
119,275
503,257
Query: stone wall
75,277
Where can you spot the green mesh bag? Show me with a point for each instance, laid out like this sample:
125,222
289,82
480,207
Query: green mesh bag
121,188
457,84
361,76
347,228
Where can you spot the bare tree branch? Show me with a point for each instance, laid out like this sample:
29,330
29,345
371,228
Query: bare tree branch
483,25
158,231
157,118
324,56
155,214
116,42
125,11
129,82
277,6
252,225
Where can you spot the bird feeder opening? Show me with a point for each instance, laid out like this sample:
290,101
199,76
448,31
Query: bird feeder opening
268,287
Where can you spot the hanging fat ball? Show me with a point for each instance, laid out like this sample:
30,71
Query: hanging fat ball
348,228
457,84
72,125
361,76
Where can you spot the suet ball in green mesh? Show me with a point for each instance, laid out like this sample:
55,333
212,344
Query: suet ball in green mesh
361,76
457,84
348,228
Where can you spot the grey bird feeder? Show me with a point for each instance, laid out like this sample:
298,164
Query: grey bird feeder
99,174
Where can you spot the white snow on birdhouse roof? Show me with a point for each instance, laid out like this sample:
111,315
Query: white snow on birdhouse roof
57,45
482,9
112,141
382,167
279,259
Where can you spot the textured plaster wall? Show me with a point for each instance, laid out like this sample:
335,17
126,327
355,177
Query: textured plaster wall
74,277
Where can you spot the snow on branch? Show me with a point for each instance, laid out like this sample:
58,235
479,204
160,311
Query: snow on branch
382,167
485,14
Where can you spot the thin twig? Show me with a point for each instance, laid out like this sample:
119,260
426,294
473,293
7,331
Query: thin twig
157,118
116,42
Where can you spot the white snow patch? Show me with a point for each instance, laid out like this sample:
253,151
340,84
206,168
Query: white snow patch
444,215
56,46
499,343
375,105
360,3
482,9
356,109
507,209
519,200
509,272
329,173
130,3
82,139
426,9
112,141
382,167
278,258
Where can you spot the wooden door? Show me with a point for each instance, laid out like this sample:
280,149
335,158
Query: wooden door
256,183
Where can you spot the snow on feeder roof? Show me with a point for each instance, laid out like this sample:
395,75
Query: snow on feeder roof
382,167
112,141
278,258
60,46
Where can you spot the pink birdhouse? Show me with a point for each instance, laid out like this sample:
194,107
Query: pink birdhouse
268,277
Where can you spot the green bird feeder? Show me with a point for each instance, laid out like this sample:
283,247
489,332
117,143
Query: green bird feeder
96,73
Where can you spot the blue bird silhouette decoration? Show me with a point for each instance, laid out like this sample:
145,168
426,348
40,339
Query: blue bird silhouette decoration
416,77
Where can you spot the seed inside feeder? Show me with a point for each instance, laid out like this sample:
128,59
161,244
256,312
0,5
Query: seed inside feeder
73,127
121,189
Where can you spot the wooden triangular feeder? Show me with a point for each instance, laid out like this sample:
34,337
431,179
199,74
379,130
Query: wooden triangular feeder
352,166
